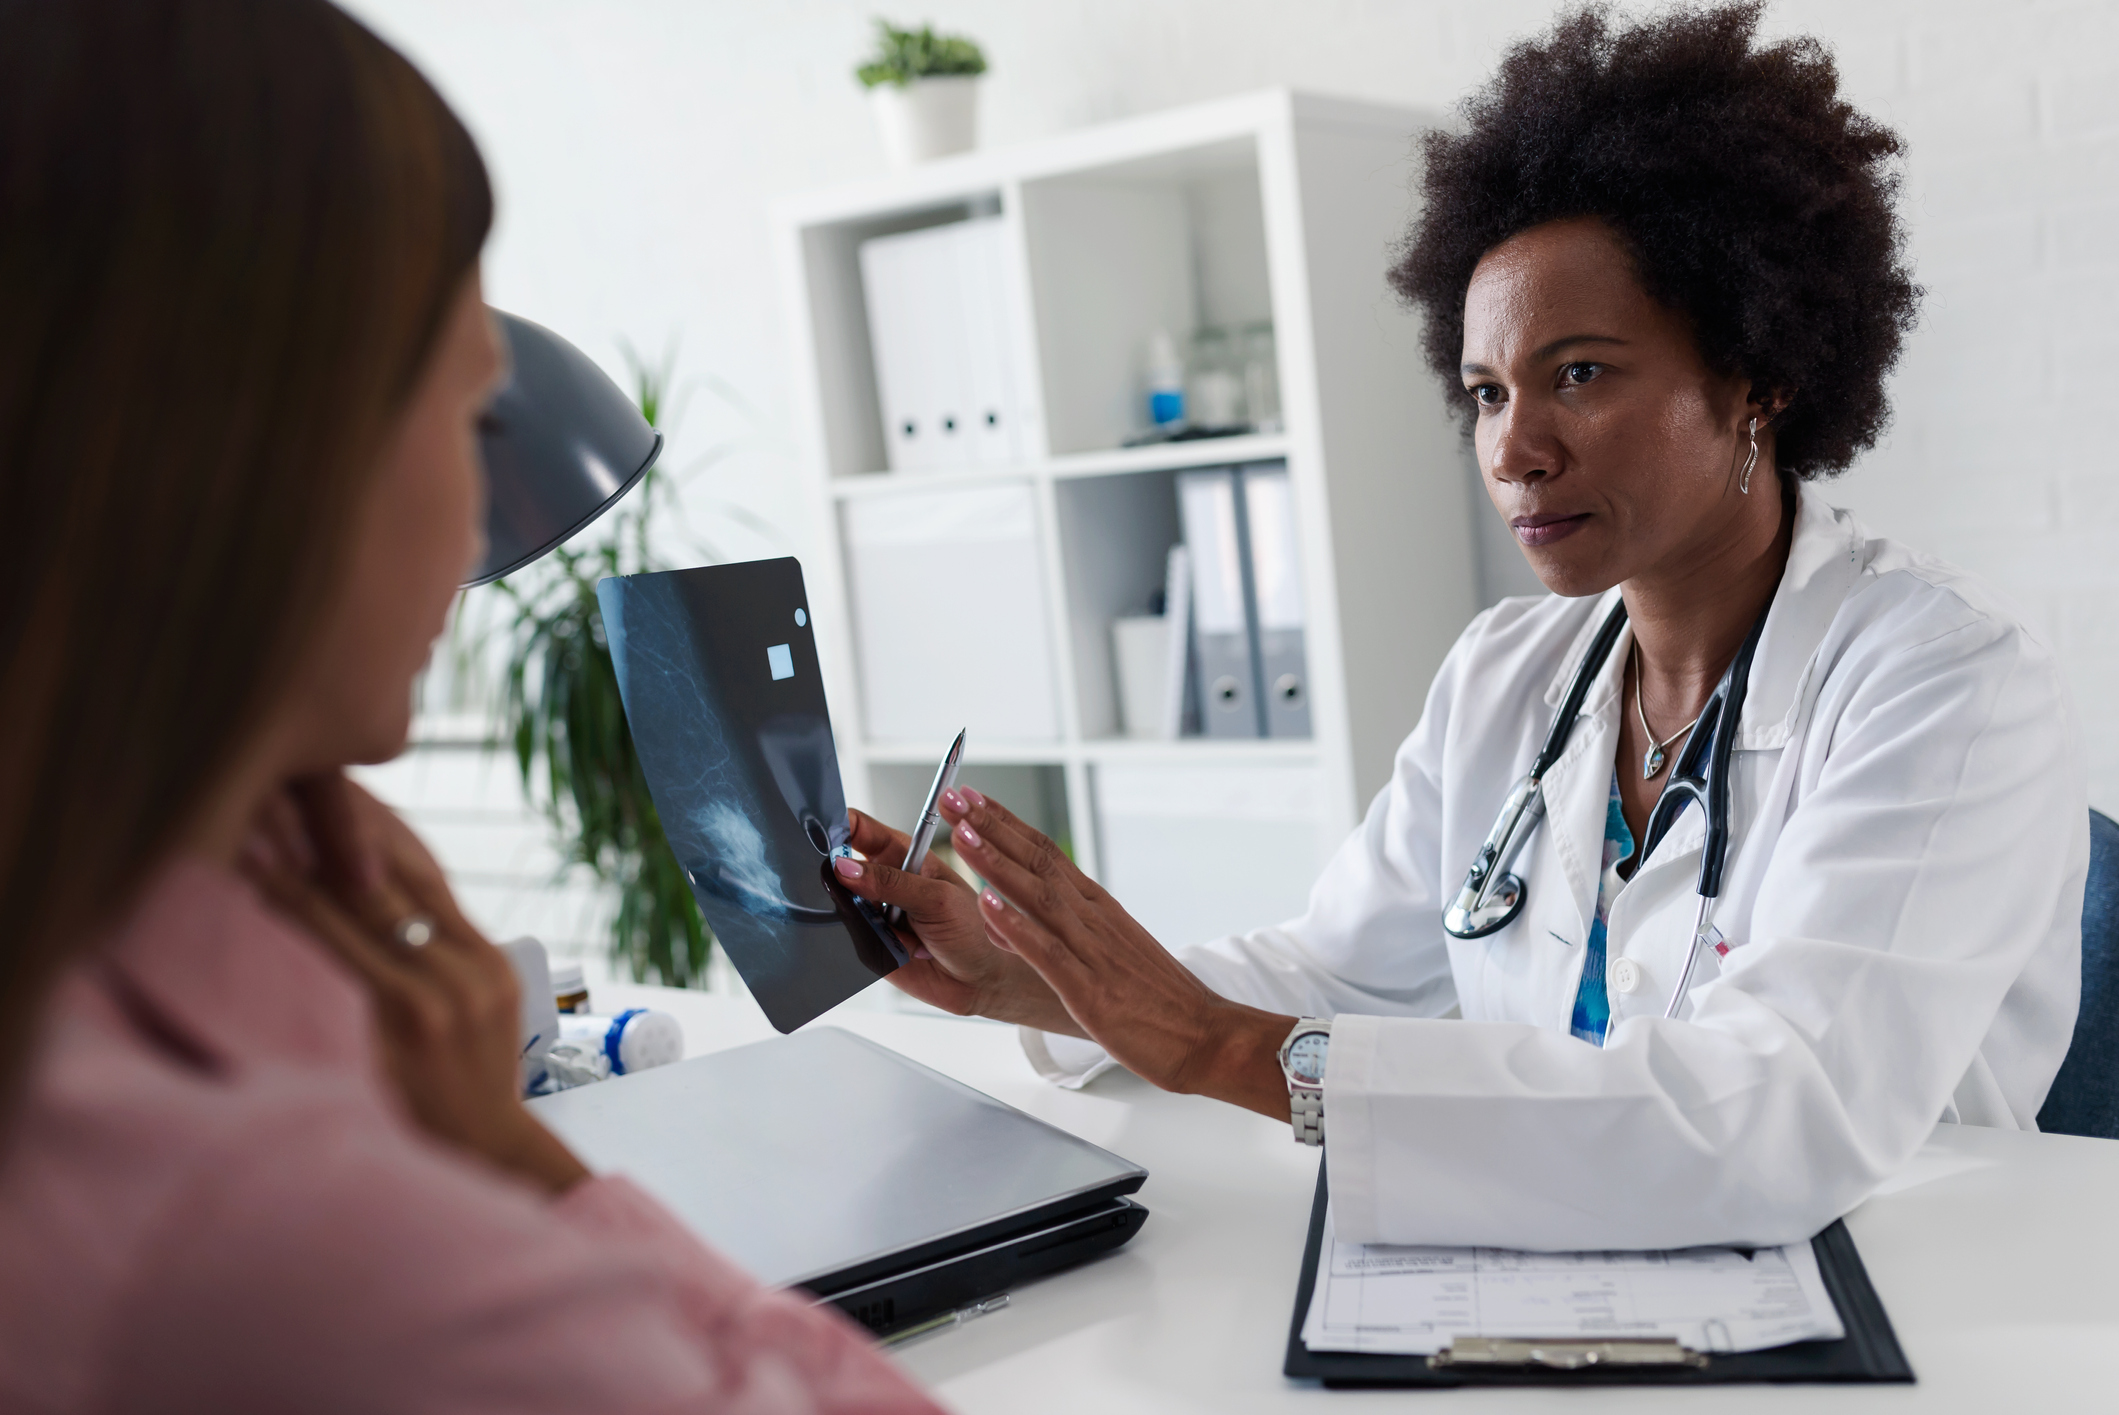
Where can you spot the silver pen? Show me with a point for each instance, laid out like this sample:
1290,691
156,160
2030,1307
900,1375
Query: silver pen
930,817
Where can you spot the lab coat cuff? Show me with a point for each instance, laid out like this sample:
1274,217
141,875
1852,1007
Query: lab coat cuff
1068,1062
1349,1127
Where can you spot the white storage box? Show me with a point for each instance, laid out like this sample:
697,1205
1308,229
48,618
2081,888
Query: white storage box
950,617
1140,658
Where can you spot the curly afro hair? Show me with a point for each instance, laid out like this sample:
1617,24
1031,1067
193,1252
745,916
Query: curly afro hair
1755,200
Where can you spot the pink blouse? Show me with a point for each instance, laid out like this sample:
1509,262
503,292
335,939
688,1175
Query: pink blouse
210,1201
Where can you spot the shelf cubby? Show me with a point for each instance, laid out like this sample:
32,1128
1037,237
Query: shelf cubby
1115,534
851,428
1166,243
1035,791
1273,207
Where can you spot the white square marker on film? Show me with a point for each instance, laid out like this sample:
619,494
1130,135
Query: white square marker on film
782,659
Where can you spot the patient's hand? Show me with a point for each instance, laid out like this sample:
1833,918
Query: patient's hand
954,966
345,869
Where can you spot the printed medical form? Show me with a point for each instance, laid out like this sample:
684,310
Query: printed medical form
1385,1299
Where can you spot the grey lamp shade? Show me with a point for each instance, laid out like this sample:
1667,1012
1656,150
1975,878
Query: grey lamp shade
561,442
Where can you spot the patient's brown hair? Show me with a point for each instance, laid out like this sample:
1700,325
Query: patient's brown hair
230,231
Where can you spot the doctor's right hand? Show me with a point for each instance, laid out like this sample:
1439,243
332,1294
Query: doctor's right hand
954,965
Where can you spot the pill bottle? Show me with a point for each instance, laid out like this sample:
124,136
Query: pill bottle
570,993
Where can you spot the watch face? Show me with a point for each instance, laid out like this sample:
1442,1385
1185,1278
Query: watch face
1306,1057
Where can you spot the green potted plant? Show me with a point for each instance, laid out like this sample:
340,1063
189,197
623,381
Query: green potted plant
924,87
558,707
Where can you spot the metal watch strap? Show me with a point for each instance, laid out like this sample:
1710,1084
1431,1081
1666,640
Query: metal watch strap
1305,1096
1306,1113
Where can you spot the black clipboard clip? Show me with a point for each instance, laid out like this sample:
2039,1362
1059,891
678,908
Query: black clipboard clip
1486,1353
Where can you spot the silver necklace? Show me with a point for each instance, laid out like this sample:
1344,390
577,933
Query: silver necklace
1651,760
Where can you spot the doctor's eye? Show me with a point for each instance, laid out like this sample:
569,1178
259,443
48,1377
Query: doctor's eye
1575,375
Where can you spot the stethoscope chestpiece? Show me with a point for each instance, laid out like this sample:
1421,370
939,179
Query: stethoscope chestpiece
1472,915
1490,897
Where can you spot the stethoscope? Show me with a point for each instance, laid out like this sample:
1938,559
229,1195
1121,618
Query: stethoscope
1492,897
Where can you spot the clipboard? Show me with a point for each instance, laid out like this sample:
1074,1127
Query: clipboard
1868,1352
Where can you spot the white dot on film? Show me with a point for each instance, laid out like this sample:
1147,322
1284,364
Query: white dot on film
801,617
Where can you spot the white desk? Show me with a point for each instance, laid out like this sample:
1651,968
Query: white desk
1996,1255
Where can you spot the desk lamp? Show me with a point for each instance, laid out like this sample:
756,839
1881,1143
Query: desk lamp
562,444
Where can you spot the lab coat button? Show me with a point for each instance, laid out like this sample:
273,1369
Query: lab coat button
1626,975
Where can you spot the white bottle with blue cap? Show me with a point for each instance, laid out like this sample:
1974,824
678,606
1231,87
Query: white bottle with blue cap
634,1040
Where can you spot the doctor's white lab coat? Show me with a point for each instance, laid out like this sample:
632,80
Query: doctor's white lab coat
1901,911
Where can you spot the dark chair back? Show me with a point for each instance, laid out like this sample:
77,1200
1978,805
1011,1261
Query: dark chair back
2085,1095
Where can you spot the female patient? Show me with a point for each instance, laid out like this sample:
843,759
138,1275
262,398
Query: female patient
257,1152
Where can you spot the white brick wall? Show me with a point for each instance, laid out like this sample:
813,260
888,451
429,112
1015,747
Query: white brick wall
635,145
2002,458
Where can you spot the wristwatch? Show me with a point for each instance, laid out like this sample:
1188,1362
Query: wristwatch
1302,1062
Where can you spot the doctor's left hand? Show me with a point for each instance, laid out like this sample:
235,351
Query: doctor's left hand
1123,988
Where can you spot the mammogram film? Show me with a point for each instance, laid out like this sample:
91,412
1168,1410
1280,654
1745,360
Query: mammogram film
1382,1298
718,669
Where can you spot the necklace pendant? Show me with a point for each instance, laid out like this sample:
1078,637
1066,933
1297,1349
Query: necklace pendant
1651,763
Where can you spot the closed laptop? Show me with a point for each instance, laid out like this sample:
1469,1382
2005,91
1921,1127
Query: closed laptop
826,1162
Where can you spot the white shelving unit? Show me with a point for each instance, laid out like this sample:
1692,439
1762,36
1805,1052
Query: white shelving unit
1274,205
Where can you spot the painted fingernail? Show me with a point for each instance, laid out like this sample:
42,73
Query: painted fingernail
974,797
991,901
847,868
954,799
967,835
921,953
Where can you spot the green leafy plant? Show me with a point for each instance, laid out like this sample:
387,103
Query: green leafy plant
560,710
903,55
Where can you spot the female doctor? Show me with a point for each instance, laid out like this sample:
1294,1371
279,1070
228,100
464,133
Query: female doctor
1661,270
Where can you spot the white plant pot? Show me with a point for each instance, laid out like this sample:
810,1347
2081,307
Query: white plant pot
928,118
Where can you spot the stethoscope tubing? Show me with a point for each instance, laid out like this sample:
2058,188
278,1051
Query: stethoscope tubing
1593,659
1492,896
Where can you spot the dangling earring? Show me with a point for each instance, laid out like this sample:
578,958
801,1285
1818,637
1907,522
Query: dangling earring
1743,480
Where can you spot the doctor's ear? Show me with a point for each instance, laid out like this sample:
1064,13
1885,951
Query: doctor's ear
1767,404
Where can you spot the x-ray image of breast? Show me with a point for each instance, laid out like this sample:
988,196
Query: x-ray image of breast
735,867
805,766
718,670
